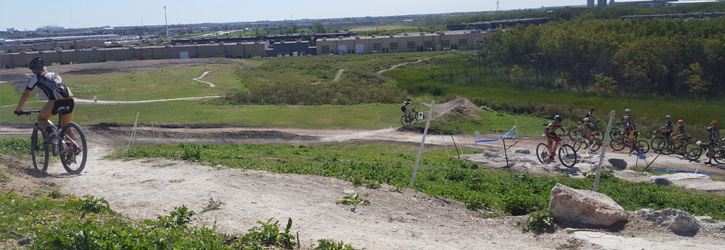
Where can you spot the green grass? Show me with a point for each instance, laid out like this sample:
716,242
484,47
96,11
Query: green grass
372,164
157,84
201,112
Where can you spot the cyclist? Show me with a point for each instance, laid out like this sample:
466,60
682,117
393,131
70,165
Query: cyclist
590,117
588,131
681,131
551,137
51,85
404,107
710,144
716,131
669,127
630,129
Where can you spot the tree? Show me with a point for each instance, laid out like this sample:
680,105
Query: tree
516,74
604,85
319,28
694,79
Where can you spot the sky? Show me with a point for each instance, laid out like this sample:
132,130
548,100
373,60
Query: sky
22,15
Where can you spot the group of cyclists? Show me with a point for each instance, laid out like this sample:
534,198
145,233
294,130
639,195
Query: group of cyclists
629,130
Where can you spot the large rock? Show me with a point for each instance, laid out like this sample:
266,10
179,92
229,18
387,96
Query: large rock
660,180
585,207
490,154
680,222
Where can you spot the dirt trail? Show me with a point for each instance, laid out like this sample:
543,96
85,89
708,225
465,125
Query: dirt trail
198,79
112,102
399,65
338,75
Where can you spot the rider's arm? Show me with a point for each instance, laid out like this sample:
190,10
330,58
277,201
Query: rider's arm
23,99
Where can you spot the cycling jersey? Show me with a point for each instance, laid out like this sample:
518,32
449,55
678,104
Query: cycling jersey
669,126
51,85
629,126
716,132
681,129
406,103
590,116
552,127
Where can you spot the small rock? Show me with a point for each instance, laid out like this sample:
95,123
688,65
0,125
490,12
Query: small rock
25,241
660,180
348,191
680,222
523,151
523,160
491,154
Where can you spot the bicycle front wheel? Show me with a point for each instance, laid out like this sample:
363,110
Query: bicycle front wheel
567,155
73,151
39,151
642,146
693,151
574,133
404,120
595,145
658,144
542,153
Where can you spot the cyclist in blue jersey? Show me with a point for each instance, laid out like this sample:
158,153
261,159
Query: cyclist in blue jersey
52,86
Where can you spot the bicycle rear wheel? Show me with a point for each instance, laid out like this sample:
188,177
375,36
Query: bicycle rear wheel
719,156
578,144
596,144
567,155
73,151
39,151
574,133
542,153
617,144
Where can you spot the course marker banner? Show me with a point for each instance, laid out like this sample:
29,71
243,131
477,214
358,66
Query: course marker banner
504,135
680,171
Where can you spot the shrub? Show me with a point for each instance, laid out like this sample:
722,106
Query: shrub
268,234
177,218
540,221
325,244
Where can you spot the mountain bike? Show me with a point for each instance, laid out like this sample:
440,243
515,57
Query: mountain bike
410,117
694,153
575,132
593,145
668,146
567,154
622,141
69,144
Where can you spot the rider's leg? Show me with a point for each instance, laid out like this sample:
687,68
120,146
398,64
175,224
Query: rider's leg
549,143
631,142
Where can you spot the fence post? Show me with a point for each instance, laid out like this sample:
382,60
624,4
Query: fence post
422,143
604,151
133,132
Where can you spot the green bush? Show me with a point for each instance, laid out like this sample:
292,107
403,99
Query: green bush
325,244
539,222
268,234
177,218
15,147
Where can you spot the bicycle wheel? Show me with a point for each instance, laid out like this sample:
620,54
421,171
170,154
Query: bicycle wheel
542,153
666,147
693,151
577,145
73,151
615,133
404,120
574,133
658,144
39,151
617,144
567,155
719,156
642,146
596,144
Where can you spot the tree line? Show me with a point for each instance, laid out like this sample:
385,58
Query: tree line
669,57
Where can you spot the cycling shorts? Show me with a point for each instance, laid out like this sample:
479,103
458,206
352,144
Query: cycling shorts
403,109
51,109
632,134
550,138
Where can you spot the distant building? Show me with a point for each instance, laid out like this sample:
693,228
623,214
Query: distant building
590,3
658,3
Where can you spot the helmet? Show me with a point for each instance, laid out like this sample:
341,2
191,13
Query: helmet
36,63
680,121
557,118
668,117
627,110
714,123
408,99
709,128
591,109
626,117
586,119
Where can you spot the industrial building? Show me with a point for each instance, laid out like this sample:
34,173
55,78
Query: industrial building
449,40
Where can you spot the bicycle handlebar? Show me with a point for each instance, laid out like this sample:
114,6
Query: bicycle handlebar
26,112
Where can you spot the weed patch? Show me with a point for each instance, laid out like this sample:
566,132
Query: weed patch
540,222
4,178
353,200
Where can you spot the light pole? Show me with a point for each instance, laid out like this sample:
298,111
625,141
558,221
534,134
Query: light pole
167,23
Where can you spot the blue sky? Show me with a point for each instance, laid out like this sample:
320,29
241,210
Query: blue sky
22,15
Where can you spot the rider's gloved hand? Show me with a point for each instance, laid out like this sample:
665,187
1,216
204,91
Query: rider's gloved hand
19,112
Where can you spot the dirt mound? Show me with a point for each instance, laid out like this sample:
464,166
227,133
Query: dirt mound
456,107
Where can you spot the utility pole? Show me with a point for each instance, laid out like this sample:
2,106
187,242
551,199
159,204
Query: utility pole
497,6
167,23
